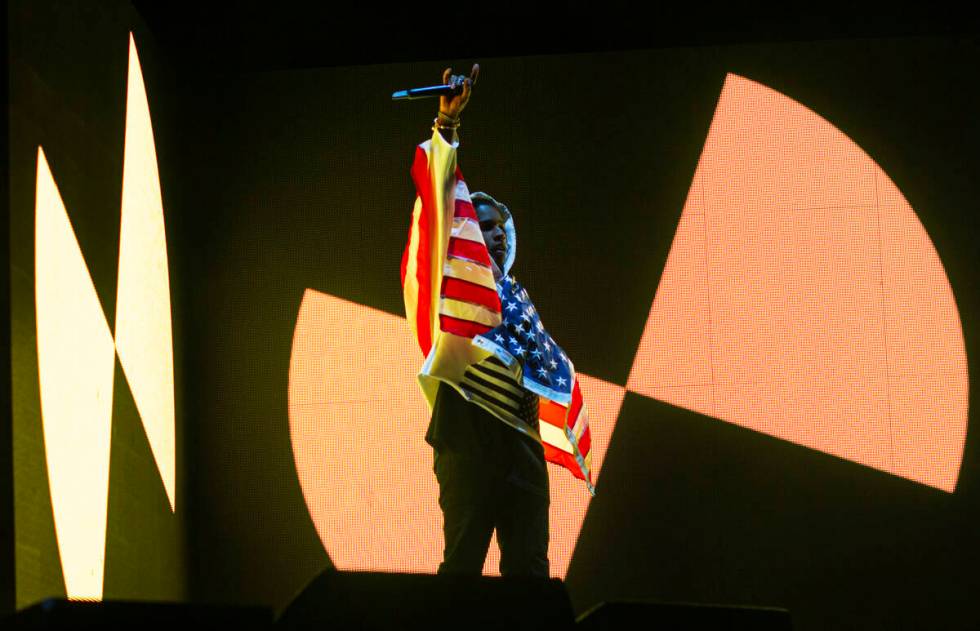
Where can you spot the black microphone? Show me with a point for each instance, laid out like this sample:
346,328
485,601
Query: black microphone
426,92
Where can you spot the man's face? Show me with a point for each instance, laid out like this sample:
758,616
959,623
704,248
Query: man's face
492,225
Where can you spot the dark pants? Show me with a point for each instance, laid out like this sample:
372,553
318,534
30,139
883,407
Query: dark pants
491,476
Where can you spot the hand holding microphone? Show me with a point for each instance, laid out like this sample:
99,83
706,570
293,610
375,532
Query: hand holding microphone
452,104
454,93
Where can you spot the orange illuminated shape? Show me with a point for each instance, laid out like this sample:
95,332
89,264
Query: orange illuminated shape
357,420
801,298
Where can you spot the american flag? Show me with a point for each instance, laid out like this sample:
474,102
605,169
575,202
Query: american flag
484,338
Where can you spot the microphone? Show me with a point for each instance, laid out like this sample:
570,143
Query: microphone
424,93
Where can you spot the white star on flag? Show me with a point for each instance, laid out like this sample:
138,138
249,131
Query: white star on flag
562,381
554,364
499,338
542,372
511,306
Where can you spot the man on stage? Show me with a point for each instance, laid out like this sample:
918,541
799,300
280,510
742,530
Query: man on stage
503,394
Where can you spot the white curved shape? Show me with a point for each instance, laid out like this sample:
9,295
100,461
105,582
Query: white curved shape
76,349
143,327
75,368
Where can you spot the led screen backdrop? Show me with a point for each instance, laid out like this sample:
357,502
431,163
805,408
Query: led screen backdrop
761,258
802,298
98,495
752,258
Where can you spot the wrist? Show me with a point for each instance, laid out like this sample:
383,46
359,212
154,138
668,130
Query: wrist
445,124
447,120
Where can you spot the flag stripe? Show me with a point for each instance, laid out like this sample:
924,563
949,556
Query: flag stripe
555,437
562,458
552,412
462,328
470,271
581,423
513,390
464,208
494,406
585,442
496,373
467,229
576,406
466,249
470,292
423,314
468,311
501,395
494,364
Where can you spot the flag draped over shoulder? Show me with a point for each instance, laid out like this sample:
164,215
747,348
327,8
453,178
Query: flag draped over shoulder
484,339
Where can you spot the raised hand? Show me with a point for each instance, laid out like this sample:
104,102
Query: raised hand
452,106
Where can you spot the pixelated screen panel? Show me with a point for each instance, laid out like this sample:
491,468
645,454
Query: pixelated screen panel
801,298
365,471
76,349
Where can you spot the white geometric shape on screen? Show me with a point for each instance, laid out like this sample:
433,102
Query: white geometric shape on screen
143,329
76,349
75,367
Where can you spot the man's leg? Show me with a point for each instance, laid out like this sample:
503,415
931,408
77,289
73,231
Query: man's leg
522,502
465,496
522,531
